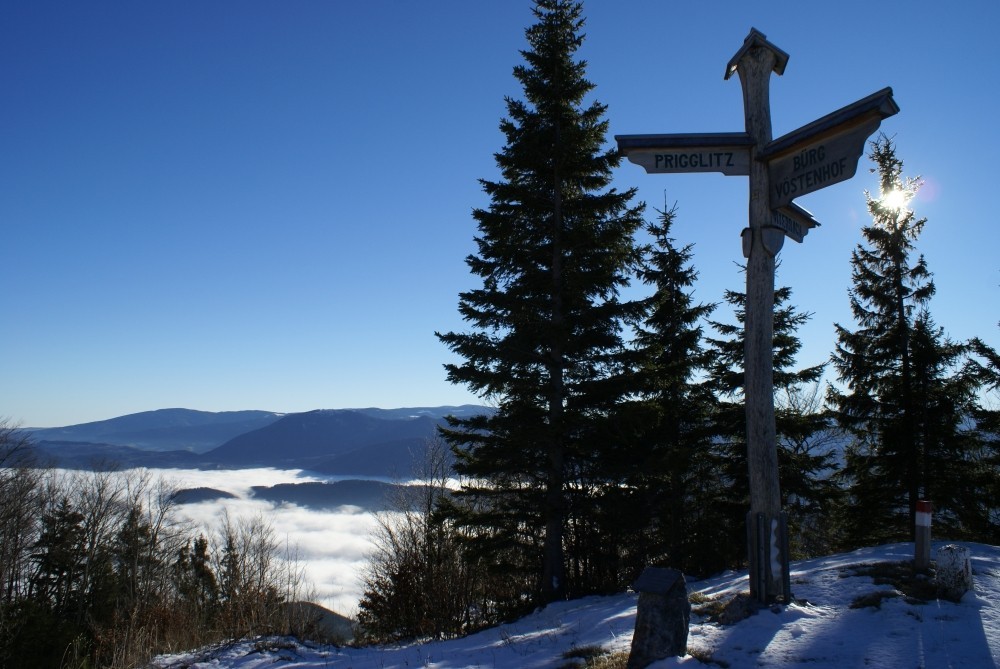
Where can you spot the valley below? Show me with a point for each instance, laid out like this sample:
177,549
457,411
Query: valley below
315,479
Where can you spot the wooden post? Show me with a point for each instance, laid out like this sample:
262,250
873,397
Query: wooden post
754,64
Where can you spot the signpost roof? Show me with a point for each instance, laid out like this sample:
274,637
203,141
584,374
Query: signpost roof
628,143
878,105
757,38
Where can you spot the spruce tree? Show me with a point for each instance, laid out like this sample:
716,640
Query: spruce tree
805,459
60,556
136,563
986,368
555,245
669,469
906,399
194,580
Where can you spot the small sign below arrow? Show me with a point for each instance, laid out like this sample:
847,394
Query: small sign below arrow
794,221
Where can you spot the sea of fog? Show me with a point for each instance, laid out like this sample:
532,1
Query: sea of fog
330,546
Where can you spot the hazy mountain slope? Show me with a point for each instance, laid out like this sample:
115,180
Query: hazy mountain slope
368,495
163,429
437,413
100,456
382,443
392,459
297,438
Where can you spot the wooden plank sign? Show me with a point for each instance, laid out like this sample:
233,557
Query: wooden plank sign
726,152
794,221
825,151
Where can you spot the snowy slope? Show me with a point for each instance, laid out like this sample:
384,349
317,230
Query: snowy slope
820,631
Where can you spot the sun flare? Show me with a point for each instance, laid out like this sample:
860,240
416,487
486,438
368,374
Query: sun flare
896,199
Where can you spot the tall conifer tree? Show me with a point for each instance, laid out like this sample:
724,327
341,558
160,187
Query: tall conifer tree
906,399
555,246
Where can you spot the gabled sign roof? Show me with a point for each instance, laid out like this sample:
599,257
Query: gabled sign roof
878,105
757,38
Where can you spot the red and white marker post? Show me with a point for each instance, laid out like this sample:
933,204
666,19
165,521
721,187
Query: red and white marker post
922,545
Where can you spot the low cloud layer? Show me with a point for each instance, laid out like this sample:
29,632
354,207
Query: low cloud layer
331,546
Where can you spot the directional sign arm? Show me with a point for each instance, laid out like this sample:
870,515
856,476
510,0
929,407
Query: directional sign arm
879,105
825,151
726,152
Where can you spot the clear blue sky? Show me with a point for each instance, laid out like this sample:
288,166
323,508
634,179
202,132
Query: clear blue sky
266,205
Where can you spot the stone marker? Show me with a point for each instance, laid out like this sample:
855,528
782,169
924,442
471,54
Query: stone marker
661,621
954,572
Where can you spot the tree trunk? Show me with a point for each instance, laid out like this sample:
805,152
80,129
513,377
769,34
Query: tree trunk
554,566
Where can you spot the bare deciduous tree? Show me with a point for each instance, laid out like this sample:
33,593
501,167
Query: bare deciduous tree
416,581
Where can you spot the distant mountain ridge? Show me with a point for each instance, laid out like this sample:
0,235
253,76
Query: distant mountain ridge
358,442
163,429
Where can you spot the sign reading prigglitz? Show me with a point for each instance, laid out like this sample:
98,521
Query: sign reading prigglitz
733,163
726,152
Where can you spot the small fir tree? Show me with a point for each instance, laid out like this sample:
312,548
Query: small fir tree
666,470
60,556
905,398
985,365
135,559
194,579
805,459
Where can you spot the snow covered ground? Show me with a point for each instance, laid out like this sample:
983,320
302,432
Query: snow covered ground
821,631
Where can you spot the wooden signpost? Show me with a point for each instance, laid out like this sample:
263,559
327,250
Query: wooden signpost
813,157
